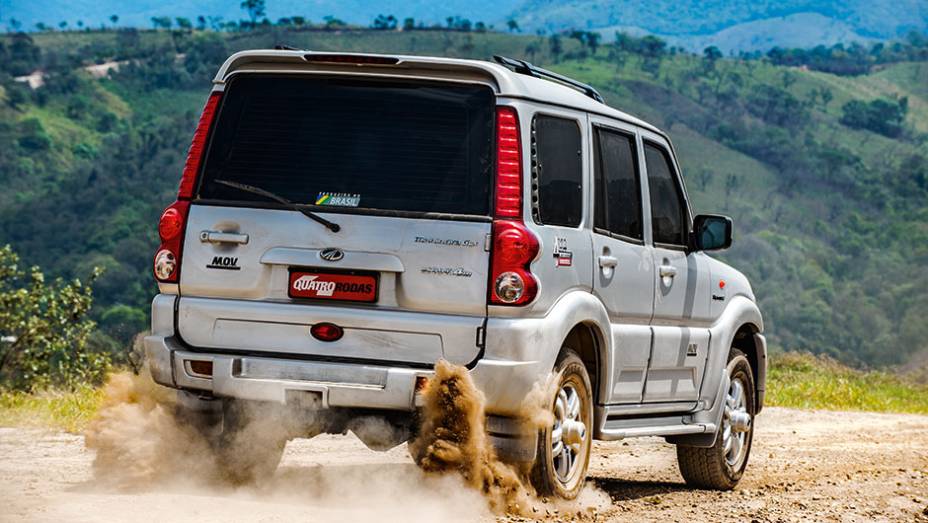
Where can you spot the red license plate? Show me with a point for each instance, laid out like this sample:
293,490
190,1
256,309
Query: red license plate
333,286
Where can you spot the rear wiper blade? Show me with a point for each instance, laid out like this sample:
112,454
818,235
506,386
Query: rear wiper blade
334,227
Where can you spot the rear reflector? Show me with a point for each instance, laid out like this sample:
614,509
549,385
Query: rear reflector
203,368
326,332
508,164
352,59
188,181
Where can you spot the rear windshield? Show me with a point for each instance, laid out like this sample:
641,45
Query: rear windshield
354,144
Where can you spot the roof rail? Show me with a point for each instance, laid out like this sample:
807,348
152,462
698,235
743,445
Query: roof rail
523,67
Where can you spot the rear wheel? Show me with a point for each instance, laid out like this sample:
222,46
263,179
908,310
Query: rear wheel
722,465
247,439
563,453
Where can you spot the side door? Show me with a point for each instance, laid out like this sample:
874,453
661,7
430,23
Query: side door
681,284
623,268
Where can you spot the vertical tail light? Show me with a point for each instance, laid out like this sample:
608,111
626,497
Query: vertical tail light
508,164
514,246
188,181
173,220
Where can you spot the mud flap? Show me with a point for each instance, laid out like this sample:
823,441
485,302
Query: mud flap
512,441
711,418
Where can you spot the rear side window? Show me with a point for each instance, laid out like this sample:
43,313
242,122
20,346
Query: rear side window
618,186
340,143
668,210
557,171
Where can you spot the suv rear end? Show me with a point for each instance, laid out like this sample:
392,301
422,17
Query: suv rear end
333,259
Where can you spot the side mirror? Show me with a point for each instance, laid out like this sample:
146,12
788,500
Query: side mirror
711,232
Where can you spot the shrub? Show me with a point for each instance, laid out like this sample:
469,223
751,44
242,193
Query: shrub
45,328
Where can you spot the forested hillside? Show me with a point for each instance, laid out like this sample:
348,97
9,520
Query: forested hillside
826,176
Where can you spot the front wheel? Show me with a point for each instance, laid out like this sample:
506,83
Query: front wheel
722,465
563,453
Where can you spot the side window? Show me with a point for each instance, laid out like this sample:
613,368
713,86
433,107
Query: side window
618,186
668,210
557,171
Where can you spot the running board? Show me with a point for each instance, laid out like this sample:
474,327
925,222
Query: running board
616,429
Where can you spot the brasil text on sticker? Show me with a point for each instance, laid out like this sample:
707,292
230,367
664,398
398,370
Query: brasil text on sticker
338,199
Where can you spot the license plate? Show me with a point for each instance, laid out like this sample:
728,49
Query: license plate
336,286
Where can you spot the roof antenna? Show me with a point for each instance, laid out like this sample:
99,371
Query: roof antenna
284,47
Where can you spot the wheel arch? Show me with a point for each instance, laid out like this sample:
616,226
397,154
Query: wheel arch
589,342
751,342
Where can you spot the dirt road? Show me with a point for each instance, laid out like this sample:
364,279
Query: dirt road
805,466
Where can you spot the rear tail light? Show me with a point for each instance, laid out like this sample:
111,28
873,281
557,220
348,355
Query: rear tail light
171,230
174,219
508,164
514,246
514,249
188,181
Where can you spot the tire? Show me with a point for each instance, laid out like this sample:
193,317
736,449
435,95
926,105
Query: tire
563,474
718,467
247,440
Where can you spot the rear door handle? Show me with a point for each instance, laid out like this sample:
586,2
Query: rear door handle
608,262
667,271
223,237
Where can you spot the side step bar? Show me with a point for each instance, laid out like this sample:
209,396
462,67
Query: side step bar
616,429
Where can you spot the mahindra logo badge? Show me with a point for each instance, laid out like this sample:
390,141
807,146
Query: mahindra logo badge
331,254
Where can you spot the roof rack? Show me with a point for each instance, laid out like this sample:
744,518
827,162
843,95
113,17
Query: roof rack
523,67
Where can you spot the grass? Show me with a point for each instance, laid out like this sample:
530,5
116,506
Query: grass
804,381
69,411
795,380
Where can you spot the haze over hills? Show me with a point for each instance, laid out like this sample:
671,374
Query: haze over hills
731,25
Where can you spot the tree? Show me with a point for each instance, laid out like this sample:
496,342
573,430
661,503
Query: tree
788,79
554,45
333,23
50,329
33,136
201,22
62,25
880,116
114,19
409,24
254,8
161,22
513,26
183,23
384,23
711,55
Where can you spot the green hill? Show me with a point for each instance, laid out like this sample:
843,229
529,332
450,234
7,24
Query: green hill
826,176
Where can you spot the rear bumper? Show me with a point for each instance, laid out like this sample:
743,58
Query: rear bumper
504,382
283,380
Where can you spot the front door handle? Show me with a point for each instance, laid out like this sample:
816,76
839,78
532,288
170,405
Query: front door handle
667,271
223,237
608,262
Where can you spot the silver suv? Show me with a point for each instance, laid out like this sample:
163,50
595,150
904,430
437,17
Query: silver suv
344,221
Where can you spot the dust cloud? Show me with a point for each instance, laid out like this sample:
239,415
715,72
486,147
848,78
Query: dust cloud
142,445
